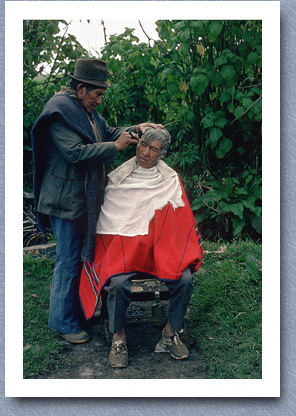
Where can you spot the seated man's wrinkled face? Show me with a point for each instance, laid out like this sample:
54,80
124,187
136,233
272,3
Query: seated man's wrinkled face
148,154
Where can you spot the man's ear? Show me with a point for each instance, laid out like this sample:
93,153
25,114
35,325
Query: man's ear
163,155
80,87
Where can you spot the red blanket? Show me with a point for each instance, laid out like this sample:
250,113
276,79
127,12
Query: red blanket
172,244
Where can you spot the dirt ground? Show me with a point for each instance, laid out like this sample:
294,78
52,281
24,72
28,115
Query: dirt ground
90,360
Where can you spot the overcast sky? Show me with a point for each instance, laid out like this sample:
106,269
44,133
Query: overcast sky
91,35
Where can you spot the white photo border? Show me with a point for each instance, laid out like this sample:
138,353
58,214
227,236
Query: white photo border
269,13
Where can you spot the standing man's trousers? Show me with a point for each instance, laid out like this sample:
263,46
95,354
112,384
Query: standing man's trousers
64,302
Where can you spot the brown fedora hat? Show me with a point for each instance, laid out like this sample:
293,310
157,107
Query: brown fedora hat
92,71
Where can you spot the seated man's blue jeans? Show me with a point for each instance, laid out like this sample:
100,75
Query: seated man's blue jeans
118,299
64,303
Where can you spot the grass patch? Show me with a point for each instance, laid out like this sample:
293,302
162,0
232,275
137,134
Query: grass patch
42,346
226,311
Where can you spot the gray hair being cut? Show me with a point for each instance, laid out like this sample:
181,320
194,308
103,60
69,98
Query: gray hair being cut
161,135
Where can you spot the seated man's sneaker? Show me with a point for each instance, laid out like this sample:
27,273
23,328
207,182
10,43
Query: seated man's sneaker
78,337
118,357
176,347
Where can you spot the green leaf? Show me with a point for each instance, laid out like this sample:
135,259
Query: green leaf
242,191
219,194
252,58
238,95
215,135
224,146
229,184
53,28
256,90
194,83
220,60
230,107
28,120
256,223
257,108
224,97
237,209
221,122
185,34
165,74
245,173
180,25
141,79
172,88
215,29
184,48
247,102
239,111
250,204
238,225
199,83
134,38
249,178
211,76
240,151
218,80
207,122
228,72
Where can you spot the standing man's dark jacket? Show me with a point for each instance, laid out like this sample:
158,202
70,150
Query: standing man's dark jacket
69,174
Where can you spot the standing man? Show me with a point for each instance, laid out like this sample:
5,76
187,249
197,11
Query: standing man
72,144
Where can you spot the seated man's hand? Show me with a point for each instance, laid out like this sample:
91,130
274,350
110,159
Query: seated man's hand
141,127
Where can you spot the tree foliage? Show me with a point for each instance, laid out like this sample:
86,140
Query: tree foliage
49,55
203,79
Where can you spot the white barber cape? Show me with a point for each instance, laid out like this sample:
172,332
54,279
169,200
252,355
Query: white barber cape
132,196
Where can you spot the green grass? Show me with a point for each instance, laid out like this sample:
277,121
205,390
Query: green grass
226,311
42,347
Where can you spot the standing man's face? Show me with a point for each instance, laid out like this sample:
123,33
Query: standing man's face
91,99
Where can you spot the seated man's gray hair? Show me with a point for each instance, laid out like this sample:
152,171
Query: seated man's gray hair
161,135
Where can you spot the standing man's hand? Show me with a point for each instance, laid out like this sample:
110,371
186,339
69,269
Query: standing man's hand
141,127
126,139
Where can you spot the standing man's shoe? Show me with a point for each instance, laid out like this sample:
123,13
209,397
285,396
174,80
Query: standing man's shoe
78,337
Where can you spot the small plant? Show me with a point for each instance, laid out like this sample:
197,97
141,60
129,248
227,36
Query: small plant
232,203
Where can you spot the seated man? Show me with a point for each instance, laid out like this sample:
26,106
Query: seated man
145,226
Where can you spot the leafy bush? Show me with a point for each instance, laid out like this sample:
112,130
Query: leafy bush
203,79
49,56
232,206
